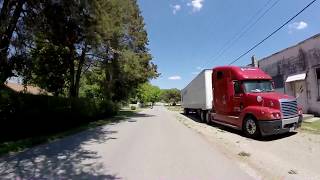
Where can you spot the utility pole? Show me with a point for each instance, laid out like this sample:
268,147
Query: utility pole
254,61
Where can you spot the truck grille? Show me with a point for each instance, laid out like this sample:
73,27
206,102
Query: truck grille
289,108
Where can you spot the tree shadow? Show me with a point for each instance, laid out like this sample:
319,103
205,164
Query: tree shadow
240,133
138,115
127,116
63,159
131,120
141,115
124,115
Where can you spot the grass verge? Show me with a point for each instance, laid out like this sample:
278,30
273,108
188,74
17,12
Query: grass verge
313,127
20,145
175,108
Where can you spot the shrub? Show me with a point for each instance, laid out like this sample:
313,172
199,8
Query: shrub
108,108
25,115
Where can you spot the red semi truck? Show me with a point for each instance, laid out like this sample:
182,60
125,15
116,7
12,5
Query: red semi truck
243,98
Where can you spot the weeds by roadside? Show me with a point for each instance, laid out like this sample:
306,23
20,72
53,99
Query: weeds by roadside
175,108
313,127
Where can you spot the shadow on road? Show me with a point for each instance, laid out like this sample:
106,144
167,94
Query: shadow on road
125,115
142,115
63,159
137,115
234,131
66,158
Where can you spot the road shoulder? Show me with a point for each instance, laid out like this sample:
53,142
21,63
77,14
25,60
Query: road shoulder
290,156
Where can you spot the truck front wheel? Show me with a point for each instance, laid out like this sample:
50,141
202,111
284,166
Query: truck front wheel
250,127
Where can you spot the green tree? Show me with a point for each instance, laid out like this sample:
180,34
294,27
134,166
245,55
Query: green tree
10,17
148,93
93,48
91,84
49,70
171,95
128,64
68,27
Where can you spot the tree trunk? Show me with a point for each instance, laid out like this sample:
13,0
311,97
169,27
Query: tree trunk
4,11
108,81
108,76
5,69
72,92
79,70
116,78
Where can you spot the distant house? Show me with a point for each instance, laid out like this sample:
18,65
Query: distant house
26,89
296,71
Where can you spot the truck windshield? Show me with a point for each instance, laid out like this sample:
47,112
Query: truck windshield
258,86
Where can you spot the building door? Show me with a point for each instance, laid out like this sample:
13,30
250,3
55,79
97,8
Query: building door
300,92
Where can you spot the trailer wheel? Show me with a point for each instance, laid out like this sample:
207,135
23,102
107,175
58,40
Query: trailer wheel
250,127
208,118
185,111
203,116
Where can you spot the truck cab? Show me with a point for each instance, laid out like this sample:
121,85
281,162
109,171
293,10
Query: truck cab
244,98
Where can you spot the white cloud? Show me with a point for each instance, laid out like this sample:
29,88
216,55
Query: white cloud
199,68
196,5
174,78
195,73
176,8
297,26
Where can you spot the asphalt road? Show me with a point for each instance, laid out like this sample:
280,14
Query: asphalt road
152,145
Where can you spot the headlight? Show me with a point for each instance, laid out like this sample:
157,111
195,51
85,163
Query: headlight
259,99
271,104
276,116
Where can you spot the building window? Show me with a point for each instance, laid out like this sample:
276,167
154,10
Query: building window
278,81
318,82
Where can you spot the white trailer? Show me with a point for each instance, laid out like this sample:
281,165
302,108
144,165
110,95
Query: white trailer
197,96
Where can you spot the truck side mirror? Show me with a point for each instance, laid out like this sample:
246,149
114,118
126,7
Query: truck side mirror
237,88
273,85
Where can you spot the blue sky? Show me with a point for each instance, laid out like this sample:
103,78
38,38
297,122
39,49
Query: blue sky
189,35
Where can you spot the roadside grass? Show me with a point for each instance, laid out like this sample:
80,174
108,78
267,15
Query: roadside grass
20,145
175,108
313,127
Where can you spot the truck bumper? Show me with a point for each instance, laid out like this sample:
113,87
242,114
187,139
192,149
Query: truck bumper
279,126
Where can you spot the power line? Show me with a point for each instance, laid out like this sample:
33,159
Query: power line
245,29
274,32
248,28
